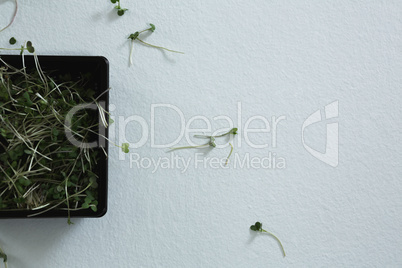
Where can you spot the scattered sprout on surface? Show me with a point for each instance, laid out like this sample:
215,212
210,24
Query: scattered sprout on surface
28,46
120,10
135,37
211,142
257,227
232,131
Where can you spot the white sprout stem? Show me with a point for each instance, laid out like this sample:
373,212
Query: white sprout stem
277,239
37,94
40,72
231,151
14,15
202,136
148,44
190,147
104,92
131,52
64,200
3,48
22,139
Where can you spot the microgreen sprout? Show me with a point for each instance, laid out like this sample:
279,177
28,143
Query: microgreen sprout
28,46
135,37
232,131
257,227
12,41
211,142
120,10
14,15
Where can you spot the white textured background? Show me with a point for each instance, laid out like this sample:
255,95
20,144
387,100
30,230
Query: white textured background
277,58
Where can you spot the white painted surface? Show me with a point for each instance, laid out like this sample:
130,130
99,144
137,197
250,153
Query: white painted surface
275,58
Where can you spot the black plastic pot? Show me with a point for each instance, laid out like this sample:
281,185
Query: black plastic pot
73,66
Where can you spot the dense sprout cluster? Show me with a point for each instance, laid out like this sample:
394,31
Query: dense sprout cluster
39,168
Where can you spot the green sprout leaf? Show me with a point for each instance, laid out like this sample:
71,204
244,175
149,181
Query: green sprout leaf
152,29
212,142
133,36
120,12
30,48
93,182
254,228
233,131
59,188
111,121
12,41
124,147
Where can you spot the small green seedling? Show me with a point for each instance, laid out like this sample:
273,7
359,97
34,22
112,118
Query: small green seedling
232,131
28,46
120,10
211,142
257,227
12,41
135,36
